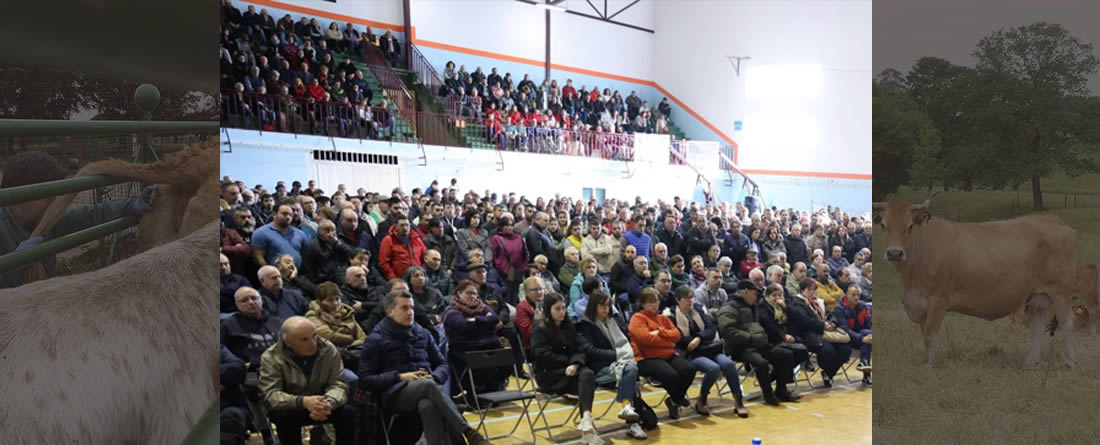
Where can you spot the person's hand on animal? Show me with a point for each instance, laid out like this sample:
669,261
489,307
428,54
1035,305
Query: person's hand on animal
30,242
144,202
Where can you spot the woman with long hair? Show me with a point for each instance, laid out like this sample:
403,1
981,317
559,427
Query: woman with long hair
559,361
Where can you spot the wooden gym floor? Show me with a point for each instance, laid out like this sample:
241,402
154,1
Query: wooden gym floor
842,413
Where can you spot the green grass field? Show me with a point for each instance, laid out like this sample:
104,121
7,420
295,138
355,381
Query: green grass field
980,391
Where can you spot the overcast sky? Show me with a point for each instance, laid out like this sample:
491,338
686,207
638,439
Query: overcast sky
905,30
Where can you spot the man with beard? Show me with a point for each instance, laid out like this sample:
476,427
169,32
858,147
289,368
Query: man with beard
230,282
297,217
266,210
353,234
326,256
438,276
244,222
303,215
397,208
278,238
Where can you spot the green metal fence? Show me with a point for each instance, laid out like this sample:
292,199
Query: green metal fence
57,138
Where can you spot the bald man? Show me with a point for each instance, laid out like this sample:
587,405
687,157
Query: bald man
283,303
326,256
230,283
251,329
302,382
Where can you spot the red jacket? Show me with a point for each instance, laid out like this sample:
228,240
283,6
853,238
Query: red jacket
525,321
747,267
568,91
394,257
647,345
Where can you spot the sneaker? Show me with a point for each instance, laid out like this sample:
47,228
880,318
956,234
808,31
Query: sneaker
587,425
628,414
636,432
826,380
864,367
867,380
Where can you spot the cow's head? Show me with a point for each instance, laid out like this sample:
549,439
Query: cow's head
898,220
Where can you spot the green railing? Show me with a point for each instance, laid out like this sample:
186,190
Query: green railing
146,97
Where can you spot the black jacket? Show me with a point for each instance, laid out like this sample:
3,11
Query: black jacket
766,316
551,355
699,239
803,325
797,250
232,371
323,262
707,334
620,273
230,284
248,338
598,350
673,240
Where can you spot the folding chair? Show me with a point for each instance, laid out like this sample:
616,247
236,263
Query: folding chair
542,400
854,358
496,359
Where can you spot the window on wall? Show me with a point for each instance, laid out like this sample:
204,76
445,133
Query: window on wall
587,194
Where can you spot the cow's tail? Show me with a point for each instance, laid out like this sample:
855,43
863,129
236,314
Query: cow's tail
186,168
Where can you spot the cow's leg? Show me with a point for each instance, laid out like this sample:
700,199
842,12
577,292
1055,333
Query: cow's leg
932,321
1038,319
1065,315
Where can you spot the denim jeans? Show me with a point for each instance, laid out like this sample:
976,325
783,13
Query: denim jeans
710,369
864,348
628,383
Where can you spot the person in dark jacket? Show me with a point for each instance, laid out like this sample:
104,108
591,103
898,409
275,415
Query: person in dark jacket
230,282
234,409
559,361
326,257
797,249
609,354
746,341
772,315
736,243
402,365
429,300
807,323
699,238
440,242
539,241
699,343
283,303
438,277
250,330
854,317
471,325
622,271
357,293
667,234
639,279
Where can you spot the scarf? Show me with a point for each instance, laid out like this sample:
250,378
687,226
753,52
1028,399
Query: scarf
684,323
478,308
816,308
624,352
780,315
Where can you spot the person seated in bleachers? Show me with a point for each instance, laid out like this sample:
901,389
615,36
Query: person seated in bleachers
559,361
529,309
429,300
335,320
622,271
302,382
403,366
292,281
854,317
865,284
577,292
749,263
836,262
251,329
438,277
710,295
698,274
699,344
828,290
653,338
282,302
234,416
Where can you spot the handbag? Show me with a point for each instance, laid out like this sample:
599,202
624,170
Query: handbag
836,335
646,416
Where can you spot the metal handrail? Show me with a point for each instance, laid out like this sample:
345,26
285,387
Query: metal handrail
24,193
28,127
26,256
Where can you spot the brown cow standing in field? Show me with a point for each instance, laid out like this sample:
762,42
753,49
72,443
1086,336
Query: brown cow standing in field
1003,265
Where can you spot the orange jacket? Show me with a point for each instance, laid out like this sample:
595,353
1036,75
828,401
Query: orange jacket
647,345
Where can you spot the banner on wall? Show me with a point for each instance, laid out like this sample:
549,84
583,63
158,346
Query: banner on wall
651,148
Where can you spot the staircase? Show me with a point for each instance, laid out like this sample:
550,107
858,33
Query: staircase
377,92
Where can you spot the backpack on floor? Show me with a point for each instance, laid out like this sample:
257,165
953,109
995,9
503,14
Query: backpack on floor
646,416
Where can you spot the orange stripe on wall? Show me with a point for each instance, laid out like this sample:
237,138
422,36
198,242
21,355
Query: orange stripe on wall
541,63
326,14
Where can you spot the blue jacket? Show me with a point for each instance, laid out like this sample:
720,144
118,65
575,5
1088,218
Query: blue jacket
640,242
392,349
576,293
735,248
852,320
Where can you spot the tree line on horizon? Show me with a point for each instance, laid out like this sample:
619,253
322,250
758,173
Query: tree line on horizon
1021,114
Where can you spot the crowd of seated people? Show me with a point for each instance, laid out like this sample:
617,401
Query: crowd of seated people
334,283
545,117
283,75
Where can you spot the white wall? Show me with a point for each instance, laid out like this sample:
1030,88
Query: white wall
518,29
385,11
827,133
